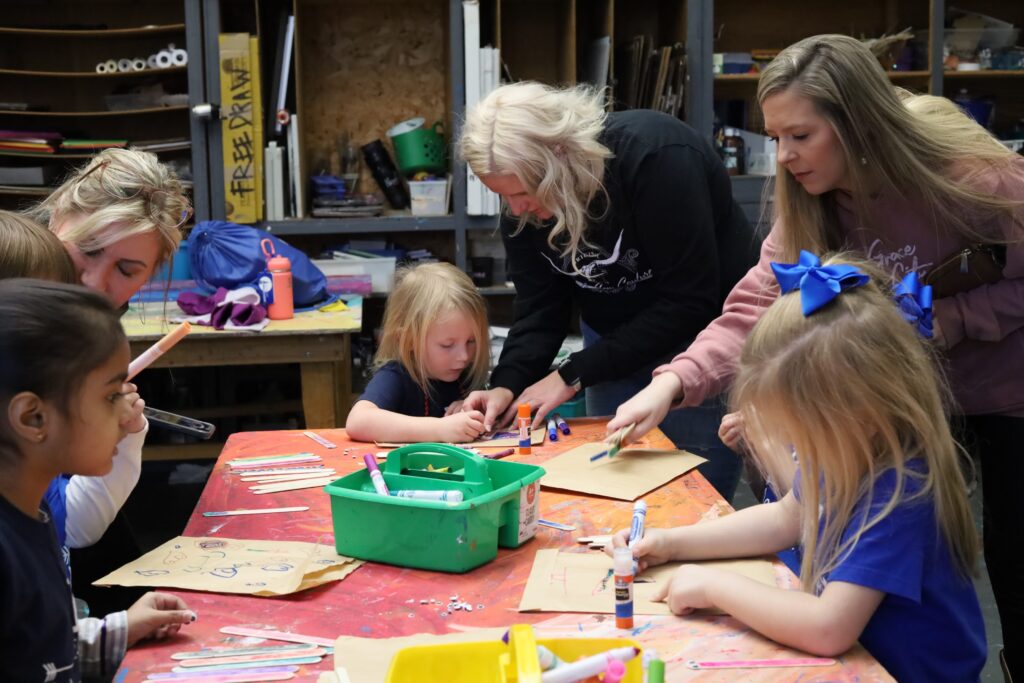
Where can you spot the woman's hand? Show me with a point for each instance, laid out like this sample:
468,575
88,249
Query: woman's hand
648,408
462,427
687,590
653,549
453,407
543,396
157,615
491,403
732,432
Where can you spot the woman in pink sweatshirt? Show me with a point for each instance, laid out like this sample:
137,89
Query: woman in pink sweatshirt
912,183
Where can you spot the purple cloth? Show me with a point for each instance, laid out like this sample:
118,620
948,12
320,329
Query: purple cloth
220,311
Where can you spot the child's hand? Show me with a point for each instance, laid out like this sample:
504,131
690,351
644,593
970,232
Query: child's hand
651,550
455,407
462,427
687,589
732,432
132,421
157,615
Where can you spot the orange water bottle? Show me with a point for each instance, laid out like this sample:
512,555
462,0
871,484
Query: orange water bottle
282,306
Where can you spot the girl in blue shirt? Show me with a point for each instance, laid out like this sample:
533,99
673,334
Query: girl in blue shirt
434,349
875,500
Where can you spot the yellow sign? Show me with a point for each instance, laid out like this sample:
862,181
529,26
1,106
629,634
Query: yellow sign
242,127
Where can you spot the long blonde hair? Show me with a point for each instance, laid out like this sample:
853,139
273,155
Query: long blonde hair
893,141
93,193
27,249
548,139
856,393
422,295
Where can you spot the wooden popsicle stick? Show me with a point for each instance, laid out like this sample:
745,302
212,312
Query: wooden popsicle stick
291,485
257,511
277,456
276,635
289,461
230,678
266,657
253,471
269,479
239,651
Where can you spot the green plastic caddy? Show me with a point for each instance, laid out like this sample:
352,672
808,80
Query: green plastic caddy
499,507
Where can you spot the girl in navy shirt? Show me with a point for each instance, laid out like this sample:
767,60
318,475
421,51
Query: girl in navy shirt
434,349
875,499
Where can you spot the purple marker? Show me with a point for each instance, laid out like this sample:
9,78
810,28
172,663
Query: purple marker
562,424
375,476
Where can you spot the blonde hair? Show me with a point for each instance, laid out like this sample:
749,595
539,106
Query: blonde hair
422,295
907,145
27,249
856,393
127,171
548,139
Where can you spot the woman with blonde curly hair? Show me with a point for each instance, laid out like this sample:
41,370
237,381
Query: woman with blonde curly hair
120,218
628,216
915,185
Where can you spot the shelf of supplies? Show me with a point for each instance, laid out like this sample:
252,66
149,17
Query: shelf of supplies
752,78
497,290
60,156
986,73
122,112
94,33
90,74
25,190
403,223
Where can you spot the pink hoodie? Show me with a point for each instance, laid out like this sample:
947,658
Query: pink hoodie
982,331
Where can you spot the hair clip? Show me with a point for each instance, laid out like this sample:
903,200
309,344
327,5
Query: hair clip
818,284
915,303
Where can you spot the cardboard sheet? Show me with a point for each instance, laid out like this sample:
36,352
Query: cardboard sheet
225,565
629,475
499,440
582,582
368,659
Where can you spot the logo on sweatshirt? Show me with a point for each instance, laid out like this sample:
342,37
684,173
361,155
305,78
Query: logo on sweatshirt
601,270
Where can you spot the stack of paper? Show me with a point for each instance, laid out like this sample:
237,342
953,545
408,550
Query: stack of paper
483,73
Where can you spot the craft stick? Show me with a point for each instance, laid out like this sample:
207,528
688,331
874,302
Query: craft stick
263,511
246,665
320,440
158,349
245,659
556,525
239,651
201,675
614,443
595,541
258,458
760,663
291,485
252,471
276,635
236,469
271,478
225,677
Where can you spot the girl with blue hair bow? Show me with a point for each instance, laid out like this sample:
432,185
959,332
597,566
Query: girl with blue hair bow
877,503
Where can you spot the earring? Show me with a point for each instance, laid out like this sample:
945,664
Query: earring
40,437
863,161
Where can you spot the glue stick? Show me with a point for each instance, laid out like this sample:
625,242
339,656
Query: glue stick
523,422
623,564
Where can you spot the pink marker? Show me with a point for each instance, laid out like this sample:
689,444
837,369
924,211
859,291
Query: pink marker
164,345
375,476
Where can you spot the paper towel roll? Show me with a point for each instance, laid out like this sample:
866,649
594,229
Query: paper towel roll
151,62
111,66
101,68
138,64
124,65
179,57
163,59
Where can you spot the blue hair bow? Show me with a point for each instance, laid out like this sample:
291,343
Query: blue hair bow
818,284
915,303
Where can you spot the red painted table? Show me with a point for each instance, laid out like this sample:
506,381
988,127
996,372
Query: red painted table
381,600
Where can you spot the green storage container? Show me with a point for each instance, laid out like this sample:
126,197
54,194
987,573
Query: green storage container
499,507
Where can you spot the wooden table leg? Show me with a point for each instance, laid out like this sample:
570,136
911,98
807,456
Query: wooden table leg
319,395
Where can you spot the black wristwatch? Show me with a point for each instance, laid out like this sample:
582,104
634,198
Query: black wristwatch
567,371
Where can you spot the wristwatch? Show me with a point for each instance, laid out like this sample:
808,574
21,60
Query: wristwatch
567,371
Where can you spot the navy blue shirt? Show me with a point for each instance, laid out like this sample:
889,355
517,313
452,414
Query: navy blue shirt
928,627
37,619
393,388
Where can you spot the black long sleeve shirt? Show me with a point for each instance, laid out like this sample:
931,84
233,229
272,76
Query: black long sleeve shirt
668,245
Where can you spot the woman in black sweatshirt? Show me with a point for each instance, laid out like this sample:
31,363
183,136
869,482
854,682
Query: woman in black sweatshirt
630,217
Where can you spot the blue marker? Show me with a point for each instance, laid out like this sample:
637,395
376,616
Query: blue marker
636,530
562,424
552,430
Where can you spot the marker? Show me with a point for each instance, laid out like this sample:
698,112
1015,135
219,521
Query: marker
614,671
552,430
588,666
557,525
523,422
547,659
615,443
448,495
375,476
623,563
500,454
656,671
562,424
162,346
